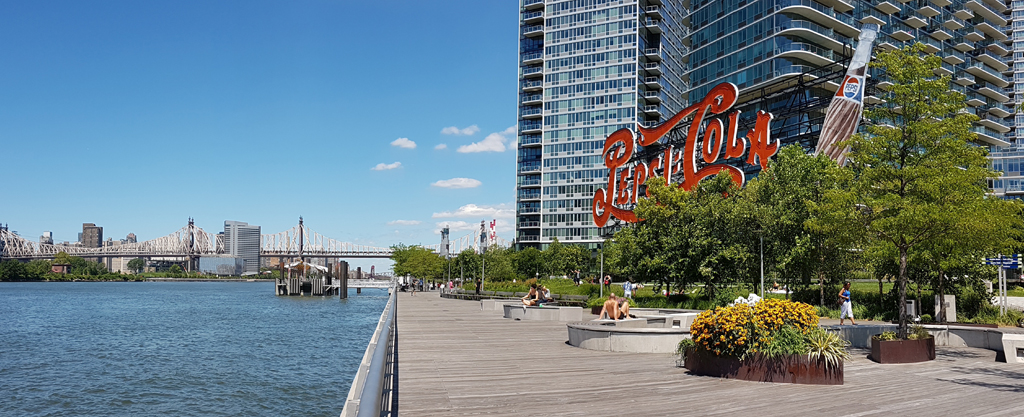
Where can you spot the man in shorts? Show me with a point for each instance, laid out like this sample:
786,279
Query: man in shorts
614,308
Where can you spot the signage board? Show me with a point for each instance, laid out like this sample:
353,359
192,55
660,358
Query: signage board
712,126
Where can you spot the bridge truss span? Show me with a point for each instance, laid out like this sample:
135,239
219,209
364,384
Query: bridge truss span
187,241
299,241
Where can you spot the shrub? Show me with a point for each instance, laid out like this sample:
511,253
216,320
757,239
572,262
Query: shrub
787,341
918,333
926,318
989,314
885,336
831,313
684,345
741,329
823,345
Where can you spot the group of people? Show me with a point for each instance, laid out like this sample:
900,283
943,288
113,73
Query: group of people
538,294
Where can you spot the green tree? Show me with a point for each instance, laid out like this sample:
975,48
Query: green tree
38,268
468,265
530,262
574,258
993,228
705,236
796,252
62,258
176,270
138,264
12,270
417,261
554,260
499,264
915,171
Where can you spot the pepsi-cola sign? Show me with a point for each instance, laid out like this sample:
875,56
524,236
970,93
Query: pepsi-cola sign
719,141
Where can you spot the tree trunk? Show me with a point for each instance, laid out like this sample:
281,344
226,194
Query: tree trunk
821,288
902,283
918,305
942,295
880,294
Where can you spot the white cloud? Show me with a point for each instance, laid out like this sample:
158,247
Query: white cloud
404,222
501,226
499,211
441,146
457,183
494,142
404,143
453,130
384,167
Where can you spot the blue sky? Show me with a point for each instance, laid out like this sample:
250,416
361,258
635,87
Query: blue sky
138,115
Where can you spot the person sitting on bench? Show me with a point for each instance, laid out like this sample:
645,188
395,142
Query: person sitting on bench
532,298
544,295
615,308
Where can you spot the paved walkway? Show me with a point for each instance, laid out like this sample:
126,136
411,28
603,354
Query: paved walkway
456,359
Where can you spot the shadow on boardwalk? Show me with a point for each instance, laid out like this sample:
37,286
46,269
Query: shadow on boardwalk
459,360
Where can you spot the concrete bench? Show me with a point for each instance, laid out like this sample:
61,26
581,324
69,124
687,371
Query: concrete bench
1007,341
497,304
522,312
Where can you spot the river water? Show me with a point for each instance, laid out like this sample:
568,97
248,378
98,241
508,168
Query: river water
181,349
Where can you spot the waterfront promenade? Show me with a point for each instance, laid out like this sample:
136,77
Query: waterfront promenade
456,359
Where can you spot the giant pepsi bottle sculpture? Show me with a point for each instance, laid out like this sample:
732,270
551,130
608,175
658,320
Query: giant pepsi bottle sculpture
843,114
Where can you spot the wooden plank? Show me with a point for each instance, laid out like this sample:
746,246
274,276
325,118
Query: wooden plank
457,359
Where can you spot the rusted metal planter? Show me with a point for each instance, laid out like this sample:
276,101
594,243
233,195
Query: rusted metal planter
793,369
903,351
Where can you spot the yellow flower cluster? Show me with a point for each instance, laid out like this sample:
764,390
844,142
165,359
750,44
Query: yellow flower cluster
741,329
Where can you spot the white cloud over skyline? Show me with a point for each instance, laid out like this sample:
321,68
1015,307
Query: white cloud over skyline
457,183
404,222
500,211
404,143
384,167
454,130
494,142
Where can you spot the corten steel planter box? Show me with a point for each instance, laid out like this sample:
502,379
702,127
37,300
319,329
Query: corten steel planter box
903,351
793,369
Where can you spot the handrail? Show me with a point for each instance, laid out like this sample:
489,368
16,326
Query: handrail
374,389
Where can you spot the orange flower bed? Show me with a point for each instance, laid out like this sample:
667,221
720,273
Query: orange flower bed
742,329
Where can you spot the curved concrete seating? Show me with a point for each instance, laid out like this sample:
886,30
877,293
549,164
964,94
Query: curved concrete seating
1009,341
630,335
550,313
652,331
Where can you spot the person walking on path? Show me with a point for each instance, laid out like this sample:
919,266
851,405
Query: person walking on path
414,282
627,289
846,304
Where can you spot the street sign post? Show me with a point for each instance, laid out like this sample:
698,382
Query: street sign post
1004,263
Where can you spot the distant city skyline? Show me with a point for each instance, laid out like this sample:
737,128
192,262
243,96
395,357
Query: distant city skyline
137,116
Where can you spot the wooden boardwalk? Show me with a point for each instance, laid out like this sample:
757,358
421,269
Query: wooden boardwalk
458,360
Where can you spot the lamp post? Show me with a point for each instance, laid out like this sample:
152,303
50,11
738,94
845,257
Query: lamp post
762,264
600,276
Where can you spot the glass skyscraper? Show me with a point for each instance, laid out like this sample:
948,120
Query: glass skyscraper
590,67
